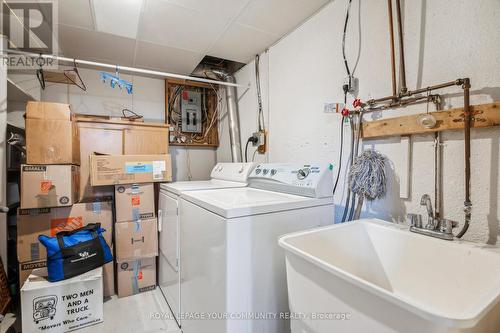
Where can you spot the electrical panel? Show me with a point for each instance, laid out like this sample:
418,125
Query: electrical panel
191,111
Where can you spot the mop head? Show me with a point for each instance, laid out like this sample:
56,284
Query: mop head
367,175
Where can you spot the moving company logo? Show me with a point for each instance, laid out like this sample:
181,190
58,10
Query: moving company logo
44,307
30,26
84,256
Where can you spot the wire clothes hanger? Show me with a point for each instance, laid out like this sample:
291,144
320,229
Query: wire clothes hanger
81,84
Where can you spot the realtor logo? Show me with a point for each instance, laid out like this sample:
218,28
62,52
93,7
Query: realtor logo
29,26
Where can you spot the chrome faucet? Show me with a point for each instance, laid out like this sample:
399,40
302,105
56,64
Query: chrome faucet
435,227
431,220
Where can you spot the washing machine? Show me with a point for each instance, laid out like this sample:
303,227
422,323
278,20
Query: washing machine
223,175
233,277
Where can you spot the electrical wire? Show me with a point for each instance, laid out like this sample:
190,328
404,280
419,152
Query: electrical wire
343,39
246,150
254,153
340,154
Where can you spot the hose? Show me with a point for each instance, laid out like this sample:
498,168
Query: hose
340,154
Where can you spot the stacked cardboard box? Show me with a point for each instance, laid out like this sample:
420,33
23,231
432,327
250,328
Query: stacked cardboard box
136,232
50,187
49,221
68,183
136,227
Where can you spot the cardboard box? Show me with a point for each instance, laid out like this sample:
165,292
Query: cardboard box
51,134
26,268
108,275
49,221
61,306
136,240
136,276
115,137
49,185
129,169
108,278
134,202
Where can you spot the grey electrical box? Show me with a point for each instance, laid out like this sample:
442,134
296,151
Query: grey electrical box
191,111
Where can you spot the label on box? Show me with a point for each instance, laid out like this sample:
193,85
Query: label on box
45,186
136,200
65,224
138,167
34,168
158,168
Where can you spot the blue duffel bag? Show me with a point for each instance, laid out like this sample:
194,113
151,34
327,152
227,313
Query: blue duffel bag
71,253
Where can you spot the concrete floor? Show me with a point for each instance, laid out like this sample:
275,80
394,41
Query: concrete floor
136,314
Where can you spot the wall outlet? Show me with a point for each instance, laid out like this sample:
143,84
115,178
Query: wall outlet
353,84
260,138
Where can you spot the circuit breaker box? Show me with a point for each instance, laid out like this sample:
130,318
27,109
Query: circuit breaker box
191,111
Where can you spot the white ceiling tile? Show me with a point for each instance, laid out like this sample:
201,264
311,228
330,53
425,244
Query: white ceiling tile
241,43
118,17
76,13
220,8
179,27
96,46
278,16
164,58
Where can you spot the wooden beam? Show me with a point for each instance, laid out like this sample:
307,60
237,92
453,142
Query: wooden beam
484,115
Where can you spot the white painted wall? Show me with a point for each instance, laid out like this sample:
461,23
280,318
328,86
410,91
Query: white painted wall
148,99
444,40
248,110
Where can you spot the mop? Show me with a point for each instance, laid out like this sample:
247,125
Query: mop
367,178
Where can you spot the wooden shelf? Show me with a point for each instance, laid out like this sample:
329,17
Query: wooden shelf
483,115
17,94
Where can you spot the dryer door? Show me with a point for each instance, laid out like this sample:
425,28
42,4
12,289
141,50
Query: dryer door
169,265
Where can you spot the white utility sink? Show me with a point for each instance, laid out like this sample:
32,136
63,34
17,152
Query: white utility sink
375,276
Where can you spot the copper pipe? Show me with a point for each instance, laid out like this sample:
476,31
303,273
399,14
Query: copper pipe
467,126
417,91
401,48
393,57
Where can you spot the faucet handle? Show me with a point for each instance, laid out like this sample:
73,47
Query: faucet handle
415,220
447,226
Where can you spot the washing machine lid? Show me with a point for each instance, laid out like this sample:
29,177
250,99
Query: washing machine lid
178,187
246,201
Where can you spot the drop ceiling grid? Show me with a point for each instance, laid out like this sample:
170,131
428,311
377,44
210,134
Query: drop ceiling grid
182,31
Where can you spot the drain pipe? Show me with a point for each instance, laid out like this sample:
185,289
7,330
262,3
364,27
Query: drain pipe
232,115
467,126
402,66
391,39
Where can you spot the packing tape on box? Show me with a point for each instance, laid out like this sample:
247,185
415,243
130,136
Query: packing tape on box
96,207
136,215
135,277
135,189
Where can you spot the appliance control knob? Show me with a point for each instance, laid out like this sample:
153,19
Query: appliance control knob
273,172
265,171
303,173
257,171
